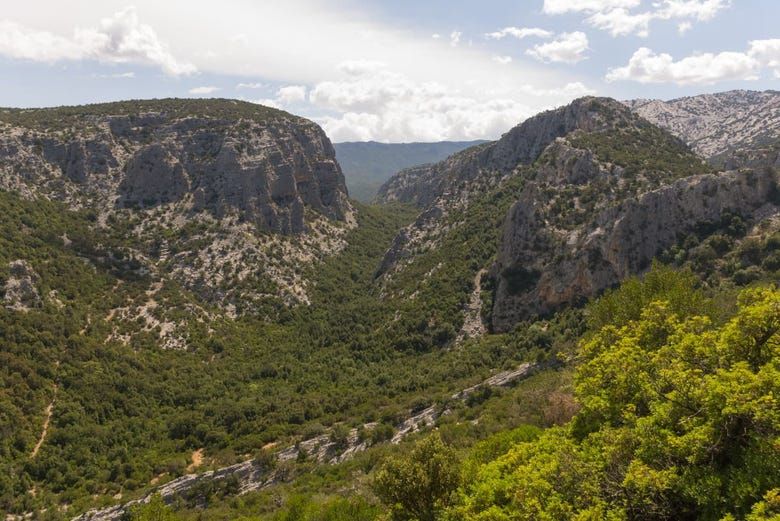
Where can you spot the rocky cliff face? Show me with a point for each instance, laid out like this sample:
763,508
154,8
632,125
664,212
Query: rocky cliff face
714,125
538,269
266,167
215,193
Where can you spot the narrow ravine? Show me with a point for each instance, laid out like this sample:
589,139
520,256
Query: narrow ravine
472,316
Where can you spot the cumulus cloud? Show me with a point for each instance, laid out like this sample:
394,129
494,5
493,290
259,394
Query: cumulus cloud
120,38
380,104
291,94
455,38
519,33
701,10
619,18
566,48
503,60
620,22
202,91
646,66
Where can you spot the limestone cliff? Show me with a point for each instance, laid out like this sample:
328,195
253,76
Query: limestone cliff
265,166
229,198
539,270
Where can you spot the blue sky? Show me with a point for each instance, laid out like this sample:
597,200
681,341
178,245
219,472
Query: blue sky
395,71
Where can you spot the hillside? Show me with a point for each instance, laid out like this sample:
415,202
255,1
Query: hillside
588,194
367,165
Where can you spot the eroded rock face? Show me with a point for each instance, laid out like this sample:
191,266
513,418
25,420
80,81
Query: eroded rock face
20,291
264,171
228,198
590,205
152,176
539,270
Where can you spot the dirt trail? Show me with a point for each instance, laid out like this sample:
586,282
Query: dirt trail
197,460
49,411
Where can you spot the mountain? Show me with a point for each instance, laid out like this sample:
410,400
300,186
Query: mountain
210,191
717,125
367,165
590,193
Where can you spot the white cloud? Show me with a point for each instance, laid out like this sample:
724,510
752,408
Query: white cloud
250,85
519,33
435,36
503,60
620,22
239,39
618,18
684,27
701,10
201,91
646,66
384,105
590,6
566,48
116,75
120,38
291,94
455,38
767,52
267,102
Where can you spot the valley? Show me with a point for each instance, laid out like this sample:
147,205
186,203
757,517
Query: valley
199,322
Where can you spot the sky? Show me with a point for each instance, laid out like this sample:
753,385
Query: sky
386,70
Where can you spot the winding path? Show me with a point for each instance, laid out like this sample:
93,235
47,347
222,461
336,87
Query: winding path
49,411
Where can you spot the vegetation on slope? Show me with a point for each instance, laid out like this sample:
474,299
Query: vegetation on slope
129,415
62,118
678,419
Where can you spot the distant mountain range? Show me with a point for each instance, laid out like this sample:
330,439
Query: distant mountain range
368,164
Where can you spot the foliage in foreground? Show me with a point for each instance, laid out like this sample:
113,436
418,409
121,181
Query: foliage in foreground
680,420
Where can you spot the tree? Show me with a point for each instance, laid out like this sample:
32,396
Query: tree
419,486
679,420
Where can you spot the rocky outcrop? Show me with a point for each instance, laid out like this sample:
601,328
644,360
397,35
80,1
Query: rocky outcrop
716,124
20,291
539,271
597,192
264,166
153,176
